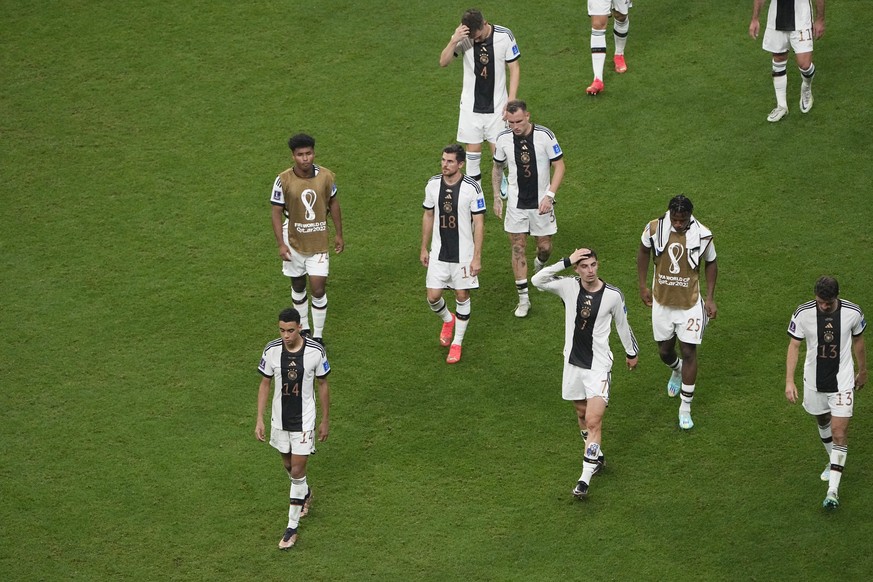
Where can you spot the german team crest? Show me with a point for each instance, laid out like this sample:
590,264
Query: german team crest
828,337
447,207
585,310
484,58
525,157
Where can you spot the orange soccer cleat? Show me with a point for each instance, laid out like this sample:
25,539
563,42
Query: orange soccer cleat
447,332
595,87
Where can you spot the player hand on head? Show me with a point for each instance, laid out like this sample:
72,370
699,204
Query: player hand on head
579,254
461,33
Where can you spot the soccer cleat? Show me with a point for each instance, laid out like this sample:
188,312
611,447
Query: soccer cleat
620,65
601,464
522,308
826,474
447,332
777,114
319,340
454,354
832,501
504,188
685,422
806,99
307,504
674,384
595,87
580,490
289,538
305,333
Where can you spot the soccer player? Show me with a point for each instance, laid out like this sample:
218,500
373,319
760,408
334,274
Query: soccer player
829,325
790,23
590,307
599,11
536,169
488,51
302,197
293,364
679,245
456,204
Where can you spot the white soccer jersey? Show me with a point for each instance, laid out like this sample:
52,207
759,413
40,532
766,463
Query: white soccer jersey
454,207
790,15
294,376
529,159
828,366
587,319
484,89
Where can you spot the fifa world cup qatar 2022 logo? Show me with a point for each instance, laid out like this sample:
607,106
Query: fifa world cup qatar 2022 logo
675,252
308,197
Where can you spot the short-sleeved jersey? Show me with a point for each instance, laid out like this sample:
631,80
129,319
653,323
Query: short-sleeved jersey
828,366
306,202
484,89
588,318
790,15
294,375
529,159
454,206
676,283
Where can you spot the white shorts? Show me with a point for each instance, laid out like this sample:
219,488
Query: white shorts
605,7
442,275
778,41
518,221
581,384
296,443
316,265
686,324
837,403
479,127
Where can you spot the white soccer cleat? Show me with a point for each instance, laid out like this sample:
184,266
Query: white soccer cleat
832,501
806,99
826,474
674,384
777,114
685,422
522,309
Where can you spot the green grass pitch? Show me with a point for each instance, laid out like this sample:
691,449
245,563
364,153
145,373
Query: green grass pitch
140,281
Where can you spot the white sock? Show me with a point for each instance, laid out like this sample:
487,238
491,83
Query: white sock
808,74
838,461
441,310
462,312
474,159
827,438
319,314
589,462
780,83
301,304
598,52
299,489
521,287
686,394
619,31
